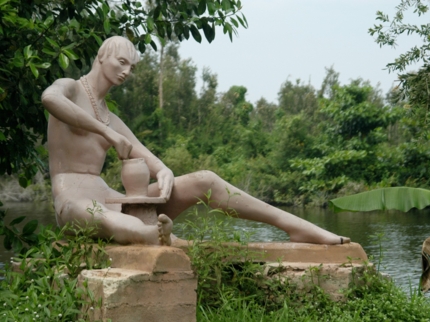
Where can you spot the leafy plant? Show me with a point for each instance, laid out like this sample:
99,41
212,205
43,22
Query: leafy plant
413,86
387,32
215,261
41,283
14,239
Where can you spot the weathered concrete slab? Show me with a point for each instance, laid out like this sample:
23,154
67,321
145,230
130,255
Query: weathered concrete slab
300,252
310,253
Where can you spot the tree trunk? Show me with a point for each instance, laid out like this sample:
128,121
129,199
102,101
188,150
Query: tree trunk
160,79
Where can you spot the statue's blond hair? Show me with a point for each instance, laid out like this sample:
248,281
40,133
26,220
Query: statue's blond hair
111,47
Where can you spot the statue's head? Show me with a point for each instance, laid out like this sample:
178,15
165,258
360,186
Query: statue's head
112,45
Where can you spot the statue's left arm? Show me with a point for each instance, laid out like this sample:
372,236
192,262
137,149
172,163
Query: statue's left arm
156,167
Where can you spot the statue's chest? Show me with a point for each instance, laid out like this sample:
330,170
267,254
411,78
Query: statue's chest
81,134
85,139
83,102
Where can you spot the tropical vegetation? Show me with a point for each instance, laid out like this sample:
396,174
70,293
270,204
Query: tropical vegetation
312,145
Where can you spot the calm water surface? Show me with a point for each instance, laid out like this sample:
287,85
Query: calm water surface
401,244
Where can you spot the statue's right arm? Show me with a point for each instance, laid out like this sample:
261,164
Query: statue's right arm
58,101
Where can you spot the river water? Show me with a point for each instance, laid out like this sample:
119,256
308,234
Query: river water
403,233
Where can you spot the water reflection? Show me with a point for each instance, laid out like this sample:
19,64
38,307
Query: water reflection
401,244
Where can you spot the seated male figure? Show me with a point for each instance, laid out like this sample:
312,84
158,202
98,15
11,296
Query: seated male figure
80,131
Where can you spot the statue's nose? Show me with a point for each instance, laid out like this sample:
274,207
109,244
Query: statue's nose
126,71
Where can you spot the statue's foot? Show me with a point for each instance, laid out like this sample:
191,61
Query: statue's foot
165,226
320,237
345,240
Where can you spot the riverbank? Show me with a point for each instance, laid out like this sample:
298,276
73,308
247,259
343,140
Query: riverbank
11,191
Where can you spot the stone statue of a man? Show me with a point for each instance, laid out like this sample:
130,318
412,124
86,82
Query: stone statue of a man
80,131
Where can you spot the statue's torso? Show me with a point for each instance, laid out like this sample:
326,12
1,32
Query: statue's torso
73,150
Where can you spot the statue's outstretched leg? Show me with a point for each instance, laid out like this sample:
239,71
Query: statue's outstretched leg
189,187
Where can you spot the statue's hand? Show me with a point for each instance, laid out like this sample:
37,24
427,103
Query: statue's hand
165,179
121,144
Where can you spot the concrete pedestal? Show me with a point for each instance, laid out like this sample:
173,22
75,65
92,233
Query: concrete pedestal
144,283
331,267
157,284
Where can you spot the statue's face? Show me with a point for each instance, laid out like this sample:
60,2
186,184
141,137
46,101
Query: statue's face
117,67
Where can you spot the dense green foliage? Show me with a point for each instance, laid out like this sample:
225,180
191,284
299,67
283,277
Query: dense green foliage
41,41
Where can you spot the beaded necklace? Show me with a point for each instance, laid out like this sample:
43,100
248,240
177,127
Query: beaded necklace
87,88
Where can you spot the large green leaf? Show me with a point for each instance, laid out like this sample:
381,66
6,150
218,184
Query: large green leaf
30,227
399,198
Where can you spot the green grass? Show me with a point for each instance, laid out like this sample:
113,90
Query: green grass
387,303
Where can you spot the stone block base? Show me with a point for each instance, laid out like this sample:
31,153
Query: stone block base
332,278
155,290
332,267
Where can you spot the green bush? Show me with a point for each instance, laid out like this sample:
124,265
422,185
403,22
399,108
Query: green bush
43,283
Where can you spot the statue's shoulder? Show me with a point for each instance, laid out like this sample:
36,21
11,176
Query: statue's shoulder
65,82
65,86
